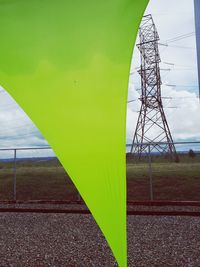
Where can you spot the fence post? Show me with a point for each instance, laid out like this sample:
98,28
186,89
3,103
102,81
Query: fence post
150,172
15,176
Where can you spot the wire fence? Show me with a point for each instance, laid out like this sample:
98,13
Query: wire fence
32,174
158,176
36,174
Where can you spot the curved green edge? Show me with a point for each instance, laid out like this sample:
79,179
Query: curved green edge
67,65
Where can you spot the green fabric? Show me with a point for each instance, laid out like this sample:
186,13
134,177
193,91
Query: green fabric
67,65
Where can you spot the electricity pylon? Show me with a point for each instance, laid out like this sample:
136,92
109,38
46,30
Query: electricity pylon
152,127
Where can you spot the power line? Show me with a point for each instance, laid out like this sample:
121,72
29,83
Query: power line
179,65
31,134
180,37
176,46
182,47
13,130
130,101
180,85
170,98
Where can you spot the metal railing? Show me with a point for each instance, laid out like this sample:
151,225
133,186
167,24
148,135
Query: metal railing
14,150
149,168
182,150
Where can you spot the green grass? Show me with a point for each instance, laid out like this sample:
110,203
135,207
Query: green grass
48,180
171,181
36,180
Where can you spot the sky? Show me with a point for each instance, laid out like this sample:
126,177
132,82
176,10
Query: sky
172,18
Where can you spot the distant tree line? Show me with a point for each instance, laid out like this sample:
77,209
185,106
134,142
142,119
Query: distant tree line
191,154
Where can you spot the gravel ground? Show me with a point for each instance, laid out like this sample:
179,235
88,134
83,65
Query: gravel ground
34,240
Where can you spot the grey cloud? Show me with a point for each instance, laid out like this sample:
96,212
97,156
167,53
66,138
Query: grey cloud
172,18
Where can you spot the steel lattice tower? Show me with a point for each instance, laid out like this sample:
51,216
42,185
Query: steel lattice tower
152,126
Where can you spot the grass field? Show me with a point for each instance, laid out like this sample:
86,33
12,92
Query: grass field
171,181
40,179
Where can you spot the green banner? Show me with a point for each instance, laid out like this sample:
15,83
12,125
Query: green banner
67,63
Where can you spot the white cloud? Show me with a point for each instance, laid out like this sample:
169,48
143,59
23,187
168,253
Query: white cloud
16,130
184,120
172,18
